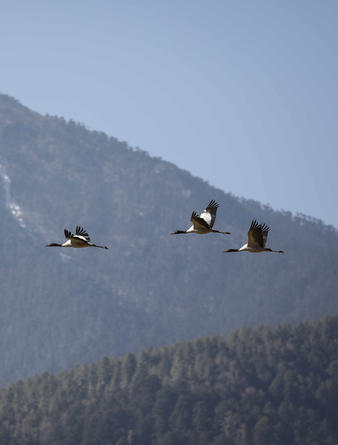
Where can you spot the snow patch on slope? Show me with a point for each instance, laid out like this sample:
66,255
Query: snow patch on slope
14,208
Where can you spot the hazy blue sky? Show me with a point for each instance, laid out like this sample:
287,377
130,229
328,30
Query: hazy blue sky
241,93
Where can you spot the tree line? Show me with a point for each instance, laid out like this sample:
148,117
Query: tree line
256,386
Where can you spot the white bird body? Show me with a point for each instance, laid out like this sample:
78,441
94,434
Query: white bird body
199,229
193,230
80,240
204,223
68,243
257,237
77,243
246,248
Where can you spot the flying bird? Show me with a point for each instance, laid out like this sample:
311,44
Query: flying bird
80,239
257,236
204,223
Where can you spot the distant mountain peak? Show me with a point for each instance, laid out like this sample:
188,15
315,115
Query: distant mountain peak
150,289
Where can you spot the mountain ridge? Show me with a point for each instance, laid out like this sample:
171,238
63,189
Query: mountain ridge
150,288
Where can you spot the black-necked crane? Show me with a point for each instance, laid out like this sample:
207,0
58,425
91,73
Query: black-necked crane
204,223
257,237
79,240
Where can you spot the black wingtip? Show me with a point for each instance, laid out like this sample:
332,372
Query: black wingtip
213,204
264,227
256,224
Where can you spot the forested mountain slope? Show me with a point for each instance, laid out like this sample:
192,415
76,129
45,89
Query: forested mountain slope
59,308
256,387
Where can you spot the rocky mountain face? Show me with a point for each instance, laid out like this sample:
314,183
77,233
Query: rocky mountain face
60,307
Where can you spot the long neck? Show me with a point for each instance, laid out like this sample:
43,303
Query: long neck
178,231
54,245
218,231
231,250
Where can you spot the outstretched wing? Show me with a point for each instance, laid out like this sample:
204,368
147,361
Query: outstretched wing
265,230
209,214
199,223
257,234
81,233
68,234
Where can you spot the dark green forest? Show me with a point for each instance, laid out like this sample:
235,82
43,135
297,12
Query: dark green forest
256,386
149,289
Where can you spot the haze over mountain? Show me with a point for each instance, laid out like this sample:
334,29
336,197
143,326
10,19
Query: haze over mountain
62,307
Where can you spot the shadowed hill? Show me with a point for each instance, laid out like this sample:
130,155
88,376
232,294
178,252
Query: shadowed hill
65,307
255,387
